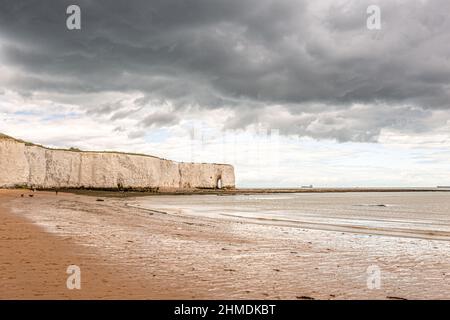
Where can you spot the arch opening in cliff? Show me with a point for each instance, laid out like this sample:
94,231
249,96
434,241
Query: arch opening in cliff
219,183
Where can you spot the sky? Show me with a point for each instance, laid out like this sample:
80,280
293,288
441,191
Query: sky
290,92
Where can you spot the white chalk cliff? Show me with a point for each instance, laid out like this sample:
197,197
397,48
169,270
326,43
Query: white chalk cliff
25,164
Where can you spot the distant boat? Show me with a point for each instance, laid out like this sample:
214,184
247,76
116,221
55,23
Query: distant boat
307,187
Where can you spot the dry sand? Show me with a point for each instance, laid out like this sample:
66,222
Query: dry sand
126,252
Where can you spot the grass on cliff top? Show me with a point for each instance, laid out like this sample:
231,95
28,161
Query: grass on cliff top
4,136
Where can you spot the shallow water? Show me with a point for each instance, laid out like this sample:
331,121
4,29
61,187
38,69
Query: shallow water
423,215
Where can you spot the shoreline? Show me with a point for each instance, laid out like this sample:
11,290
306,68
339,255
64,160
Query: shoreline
225,192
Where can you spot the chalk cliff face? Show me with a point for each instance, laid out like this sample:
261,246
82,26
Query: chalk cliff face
23,164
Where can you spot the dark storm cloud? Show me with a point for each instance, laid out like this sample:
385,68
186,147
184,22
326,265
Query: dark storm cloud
246,55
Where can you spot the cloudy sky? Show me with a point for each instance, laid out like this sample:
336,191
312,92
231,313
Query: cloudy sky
291,92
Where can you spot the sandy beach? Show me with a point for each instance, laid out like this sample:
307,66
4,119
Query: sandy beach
33,262
126,251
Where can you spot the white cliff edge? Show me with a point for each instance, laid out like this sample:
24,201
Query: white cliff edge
26,165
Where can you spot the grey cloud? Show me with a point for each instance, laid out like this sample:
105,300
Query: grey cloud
245,55
107,108
160,119
136,134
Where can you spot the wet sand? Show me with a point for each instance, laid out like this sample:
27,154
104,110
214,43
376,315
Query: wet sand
33,261
129,252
